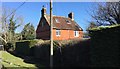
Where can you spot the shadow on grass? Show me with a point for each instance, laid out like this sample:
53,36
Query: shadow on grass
39,63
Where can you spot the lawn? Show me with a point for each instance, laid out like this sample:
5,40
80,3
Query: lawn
9,61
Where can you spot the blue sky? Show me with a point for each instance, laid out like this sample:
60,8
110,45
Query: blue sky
31,11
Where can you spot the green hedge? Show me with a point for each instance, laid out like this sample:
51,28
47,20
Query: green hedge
42,51
105,46
23,47
104,27
72,53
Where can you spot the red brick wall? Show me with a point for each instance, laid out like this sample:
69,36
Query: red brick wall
43,32
43,35
66,34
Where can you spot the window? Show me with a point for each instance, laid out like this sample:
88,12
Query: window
68,22
57,32
76,33
57,21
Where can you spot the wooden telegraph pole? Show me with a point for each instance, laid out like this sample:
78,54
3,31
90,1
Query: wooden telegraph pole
51,36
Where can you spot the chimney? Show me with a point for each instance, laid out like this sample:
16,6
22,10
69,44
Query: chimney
71,15
43,11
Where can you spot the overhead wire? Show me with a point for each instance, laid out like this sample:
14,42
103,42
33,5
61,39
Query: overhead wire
16,9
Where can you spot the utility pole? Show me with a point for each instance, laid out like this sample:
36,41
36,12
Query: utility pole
51,36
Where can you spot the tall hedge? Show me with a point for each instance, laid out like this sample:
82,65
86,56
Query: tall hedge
23,47
105,46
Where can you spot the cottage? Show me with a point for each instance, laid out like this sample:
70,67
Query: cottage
63,28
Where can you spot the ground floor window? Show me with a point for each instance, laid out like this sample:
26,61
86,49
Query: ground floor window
76,33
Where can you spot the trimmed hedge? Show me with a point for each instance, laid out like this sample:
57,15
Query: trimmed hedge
23,47
105,46
65,52
72,53
42,52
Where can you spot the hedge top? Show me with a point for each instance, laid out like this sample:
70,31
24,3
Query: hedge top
104,27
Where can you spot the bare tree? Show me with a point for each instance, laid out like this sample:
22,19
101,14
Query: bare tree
5,22
107,13
92,24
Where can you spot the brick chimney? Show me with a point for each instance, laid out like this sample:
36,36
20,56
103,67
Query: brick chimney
71,15
43,11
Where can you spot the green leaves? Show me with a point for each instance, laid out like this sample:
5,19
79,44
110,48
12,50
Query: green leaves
12,26
28,33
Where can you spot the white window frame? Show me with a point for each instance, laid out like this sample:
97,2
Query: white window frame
58,32
68,22
76,33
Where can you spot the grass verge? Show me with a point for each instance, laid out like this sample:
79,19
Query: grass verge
9,61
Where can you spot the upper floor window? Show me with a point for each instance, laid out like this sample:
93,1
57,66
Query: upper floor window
57,21
68,22
76,33
57,32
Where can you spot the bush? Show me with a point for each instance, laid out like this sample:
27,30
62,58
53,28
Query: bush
9,46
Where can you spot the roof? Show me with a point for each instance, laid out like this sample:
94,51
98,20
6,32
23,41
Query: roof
60,22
